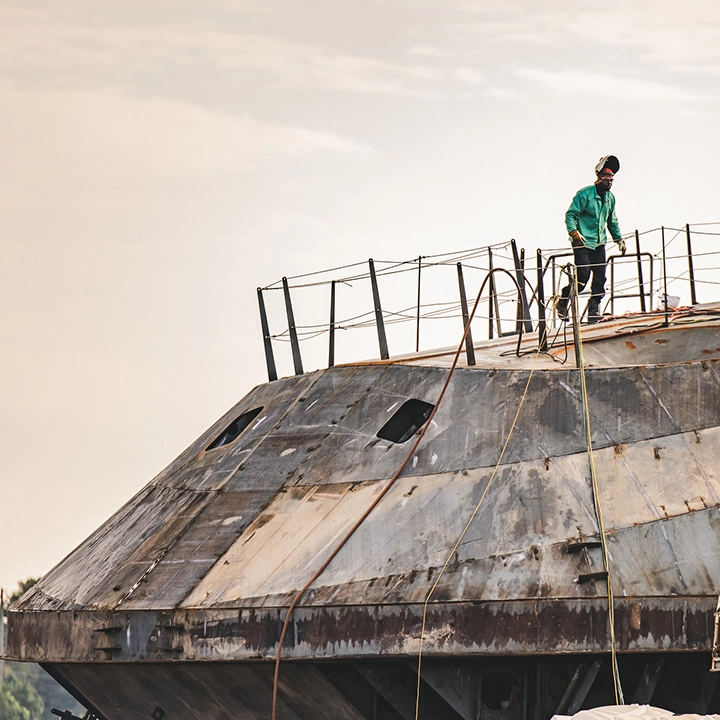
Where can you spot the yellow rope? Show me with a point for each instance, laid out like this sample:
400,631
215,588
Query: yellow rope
619,697
465,529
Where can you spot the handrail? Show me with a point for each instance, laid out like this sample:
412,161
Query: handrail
441,307
642,293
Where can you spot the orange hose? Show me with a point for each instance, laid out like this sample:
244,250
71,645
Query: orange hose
390,483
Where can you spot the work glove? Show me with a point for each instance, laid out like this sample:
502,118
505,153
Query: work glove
621,246
577,239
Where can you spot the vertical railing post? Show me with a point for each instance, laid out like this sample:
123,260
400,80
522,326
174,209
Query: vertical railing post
382,339
641,282
493,304
693,296
267,340
664,267
521,282
469,348
540,294
417,330
294,343
331,340
491,298
520,306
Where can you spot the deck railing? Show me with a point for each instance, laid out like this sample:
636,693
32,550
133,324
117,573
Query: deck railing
430,296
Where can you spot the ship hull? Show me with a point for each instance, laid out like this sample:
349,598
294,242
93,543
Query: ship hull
485,554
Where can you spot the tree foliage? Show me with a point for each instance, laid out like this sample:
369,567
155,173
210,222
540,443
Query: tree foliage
18,698
22,588
26,689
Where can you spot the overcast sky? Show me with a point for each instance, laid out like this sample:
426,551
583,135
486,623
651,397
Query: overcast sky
160,159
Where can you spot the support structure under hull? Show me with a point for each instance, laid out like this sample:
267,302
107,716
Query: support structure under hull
481,688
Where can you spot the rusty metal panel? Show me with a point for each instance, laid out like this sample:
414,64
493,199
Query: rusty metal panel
530,509
533,504
197,550
512,627
470,427
198,469
655,346
117,554
668,557
352,452
284,544
621,341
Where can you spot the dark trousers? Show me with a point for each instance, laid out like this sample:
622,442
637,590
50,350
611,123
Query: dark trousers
587,261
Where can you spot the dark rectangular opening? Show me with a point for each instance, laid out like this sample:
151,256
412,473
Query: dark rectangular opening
234,429
406,421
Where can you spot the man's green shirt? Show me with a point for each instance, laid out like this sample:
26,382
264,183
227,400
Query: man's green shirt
590,215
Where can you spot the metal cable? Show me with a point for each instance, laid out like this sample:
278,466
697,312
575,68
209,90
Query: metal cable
451,257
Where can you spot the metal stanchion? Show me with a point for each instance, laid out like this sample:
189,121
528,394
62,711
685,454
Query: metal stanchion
382,339
267,341
294,344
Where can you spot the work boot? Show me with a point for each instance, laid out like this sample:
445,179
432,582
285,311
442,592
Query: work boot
562,308
593,311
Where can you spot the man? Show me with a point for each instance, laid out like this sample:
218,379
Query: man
590,212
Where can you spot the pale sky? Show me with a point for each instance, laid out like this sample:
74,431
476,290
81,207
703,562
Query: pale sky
160,159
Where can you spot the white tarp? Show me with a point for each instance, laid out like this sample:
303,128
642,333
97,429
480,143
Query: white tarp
630,712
